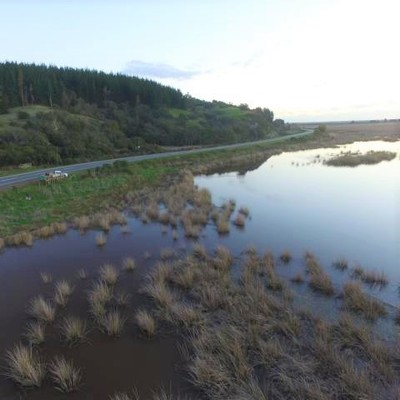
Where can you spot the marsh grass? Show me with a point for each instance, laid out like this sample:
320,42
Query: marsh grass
35,333
109,274
122,299
42,310
65,375
74,330
354,299
82,223
146,322
167,254
129,264
223,226
240,220
101,239
199,251
100,293
46,277
82,274
63,291
341,264
372,278
286,257
322,283
134,395
22,238
24,366
112,323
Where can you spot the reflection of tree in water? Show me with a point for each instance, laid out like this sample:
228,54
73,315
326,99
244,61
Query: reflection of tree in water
242,167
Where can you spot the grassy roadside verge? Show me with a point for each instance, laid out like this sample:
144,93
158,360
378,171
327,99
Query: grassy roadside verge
91,191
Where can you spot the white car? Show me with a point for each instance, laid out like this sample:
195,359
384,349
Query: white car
60,173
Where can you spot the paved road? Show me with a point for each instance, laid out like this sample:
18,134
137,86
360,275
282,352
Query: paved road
12,180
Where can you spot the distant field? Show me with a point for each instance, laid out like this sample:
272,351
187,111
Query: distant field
366,130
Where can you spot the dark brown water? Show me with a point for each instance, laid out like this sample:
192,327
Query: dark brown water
108,364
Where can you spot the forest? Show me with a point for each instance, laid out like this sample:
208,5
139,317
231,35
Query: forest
51,115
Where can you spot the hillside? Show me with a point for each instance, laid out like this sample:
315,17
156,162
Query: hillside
51,115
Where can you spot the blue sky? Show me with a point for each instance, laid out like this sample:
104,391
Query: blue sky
304,59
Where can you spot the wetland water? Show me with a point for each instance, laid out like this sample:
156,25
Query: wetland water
295,203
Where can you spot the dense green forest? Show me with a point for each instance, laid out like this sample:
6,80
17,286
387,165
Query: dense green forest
51,115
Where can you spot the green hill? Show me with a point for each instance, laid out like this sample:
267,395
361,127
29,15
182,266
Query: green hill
51,115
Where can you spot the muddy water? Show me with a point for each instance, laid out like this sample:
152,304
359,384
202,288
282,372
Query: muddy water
295,203
108,365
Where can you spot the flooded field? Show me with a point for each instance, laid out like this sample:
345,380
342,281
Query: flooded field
295,203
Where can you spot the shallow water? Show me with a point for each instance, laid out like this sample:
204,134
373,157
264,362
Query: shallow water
298,203
335,212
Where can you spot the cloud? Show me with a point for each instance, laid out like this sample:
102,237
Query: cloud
157,70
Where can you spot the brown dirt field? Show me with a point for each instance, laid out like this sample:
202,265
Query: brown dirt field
359,131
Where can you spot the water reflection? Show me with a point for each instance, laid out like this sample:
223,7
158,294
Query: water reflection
303,204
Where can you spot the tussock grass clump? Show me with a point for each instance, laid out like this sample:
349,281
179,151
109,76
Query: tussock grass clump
129,264
23,238
101,293
374,278
161,293
35,333
240,221
167,254
82,274
186,315
152,211
199,251
122,299
354,299
74,330
46,277
65,375
286,257
146,322
101,239
60,227
321,282
82,223
109,274
24,366
244,210
112,323
45,232
42,310
125,396
223,258
223,226
62,293
341,264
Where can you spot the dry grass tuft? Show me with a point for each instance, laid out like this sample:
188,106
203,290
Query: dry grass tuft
63,291
240,220
321,282
222,226
109,274
74,330
199,251
341,264
24,366
286,257
60,227
113,323
146,322
354,299
46,278
82,274
65,375
167,254
23,238
101,239
129,264
42,310
82,223
35,333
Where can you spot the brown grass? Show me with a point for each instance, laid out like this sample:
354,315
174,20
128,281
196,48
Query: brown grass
354,299
286,257
146,322
223,226
320,282
109,274
35,333
42,310
129,264
82,223
23,238
63,291
65,375
74,330
113,323
101,239
24,366
341,264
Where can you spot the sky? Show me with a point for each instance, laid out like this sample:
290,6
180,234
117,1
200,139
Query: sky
306,60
